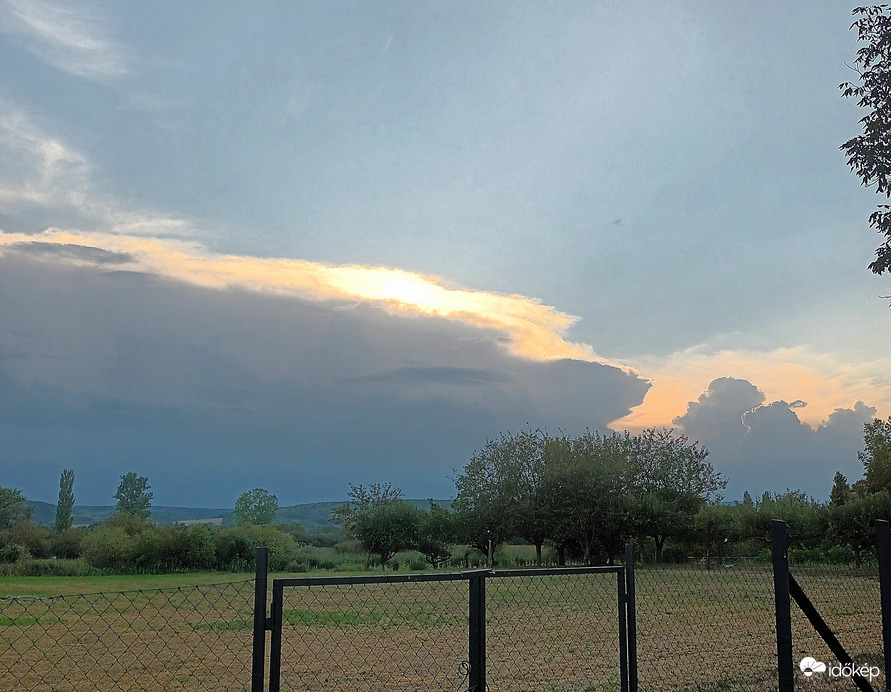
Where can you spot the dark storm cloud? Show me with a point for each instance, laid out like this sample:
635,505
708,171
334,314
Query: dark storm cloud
210,393
70,251
762,446
439,375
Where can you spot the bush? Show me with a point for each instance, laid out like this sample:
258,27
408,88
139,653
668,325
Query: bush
13,553
34,538
47,568
68,544
110,547
236,547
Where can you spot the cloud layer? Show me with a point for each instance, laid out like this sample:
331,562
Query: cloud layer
210,392
127,353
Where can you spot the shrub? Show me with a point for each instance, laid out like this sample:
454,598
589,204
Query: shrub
236,547
14,553
47,568
110,547
68,544
34,538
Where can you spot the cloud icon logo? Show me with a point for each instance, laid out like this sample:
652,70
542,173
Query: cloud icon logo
810,665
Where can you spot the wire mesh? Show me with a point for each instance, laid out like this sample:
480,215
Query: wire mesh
187,638
697,630
391,636
701,629
849,600
553,632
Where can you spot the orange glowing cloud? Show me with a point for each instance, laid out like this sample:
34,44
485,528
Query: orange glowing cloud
823,381
534,330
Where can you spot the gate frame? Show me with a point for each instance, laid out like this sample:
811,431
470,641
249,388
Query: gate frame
476,580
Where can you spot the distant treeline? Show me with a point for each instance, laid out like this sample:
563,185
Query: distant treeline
573,499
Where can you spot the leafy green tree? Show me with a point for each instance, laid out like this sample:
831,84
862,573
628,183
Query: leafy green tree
869,153
841,491
436,532
133,496
805,517
380,519
853,523
671,480
485,503
531,509
64,510
876,456
713,525
256,506
13,508
586,481
501,493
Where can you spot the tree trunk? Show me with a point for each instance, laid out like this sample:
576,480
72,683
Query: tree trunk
538,554
561,556
660,543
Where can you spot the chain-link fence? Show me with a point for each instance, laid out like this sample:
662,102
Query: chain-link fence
696,629
700,629
189,638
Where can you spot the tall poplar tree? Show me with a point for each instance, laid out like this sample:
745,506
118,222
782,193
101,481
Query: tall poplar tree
64,513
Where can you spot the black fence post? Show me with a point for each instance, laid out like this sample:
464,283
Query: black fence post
883,552
258,661
477,638
275,643
782,601
631,614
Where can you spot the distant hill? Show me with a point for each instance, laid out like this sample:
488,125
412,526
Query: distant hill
311,514
44,513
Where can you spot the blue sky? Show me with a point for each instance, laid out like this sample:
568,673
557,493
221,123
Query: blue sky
299,245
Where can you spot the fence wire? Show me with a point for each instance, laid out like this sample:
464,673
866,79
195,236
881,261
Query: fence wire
189,638
557,632
707,630
554,632
697,630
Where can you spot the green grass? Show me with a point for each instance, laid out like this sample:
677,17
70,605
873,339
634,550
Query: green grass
64,586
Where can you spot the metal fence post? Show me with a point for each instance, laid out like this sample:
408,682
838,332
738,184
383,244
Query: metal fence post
477,638
883,552
258,661
782,601
631,614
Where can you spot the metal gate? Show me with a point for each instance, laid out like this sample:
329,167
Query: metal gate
563,628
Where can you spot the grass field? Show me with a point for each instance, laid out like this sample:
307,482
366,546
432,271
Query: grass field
697,630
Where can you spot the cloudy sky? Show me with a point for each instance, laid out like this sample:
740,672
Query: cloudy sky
298,245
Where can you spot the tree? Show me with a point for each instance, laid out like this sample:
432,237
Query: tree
380,519
133,496
841,491
435,534
876,456
485,499
869,154
64,514
256,506
714,526
586,482
854,523
671,480
13,508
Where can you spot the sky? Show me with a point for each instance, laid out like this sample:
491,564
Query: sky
303,245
